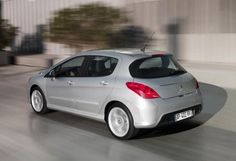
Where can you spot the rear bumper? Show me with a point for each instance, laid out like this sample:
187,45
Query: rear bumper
168,119
162,111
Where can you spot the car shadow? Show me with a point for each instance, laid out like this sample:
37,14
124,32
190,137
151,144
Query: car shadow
214,99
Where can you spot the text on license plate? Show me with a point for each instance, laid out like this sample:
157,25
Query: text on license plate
184,115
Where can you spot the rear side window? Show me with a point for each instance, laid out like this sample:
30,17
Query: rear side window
155,67
98,66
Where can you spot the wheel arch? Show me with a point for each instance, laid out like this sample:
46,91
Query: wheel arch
33,87
108,106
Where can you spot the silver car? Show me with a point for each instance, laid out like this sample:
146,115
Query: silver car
128,89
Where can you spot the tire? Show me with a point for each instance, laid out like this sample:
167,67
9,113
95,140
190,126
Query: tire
119,116
38,101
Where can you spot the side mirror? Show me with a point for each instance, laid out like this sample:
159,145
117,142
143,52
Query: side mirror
53,74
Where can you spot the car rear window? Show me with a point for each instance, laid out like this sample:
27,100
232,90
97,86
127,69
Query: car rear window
155,67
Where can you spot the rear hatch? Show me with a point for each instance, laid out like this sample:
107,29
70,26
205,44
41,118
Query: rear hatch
169,87
164,75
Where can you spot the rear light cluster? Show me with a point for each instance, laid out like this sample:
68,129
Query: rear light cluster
143,90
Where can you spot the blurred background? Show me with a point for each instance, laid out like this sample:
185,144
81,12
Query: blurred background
193,30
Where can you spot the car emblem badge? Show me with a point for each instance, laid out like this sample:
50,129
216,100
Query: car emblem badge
180,90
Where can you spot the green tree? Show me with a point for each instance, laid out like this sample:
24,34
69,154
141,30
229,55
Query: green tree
89,24
7,31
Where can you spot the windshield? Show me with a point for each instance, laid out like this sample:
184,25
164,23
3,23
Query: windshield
155,67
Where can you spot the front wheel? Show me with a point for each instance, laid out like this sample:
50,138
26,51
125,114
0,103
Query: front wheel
38,101
120,122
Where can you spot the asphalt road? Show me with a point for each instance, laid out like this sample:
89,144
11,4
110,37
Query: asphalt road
24,136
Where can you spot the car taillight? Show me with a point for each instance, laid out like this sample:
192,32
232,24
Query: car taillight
142,90
197,84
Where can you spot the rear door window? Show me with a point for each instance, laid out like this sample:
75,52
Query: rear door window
98,66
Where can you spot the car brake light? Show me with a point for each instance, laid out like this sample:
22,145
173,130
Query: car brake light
197,84
142,90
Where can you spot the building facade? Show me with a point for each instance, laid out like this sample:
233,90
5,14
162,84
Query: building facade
202,30
194,30
30,16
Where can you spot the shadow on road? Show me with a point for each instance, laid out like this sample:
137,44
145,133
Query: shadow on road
214,99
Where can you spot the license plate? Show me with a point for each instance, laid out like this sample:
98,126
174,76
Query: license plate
184,115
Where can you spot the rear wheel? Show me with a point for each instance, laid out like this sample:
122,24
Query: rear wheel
120,122
38,101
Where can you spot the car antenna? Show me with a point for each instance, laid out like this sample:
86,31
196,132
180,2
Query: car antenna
146,43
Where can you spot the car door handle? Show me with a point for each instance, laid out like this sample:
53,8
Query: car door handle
69,83
104,83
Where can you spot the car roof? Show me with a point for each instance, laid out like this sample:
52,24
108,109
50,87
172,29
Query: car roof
124,52
127,54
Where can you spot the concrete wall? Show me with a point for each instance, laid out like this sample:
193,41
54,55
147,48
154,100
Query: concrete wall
208,47
207,28
27,14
